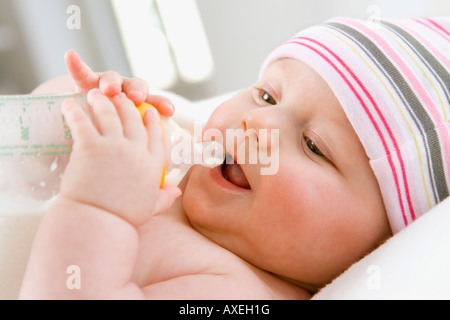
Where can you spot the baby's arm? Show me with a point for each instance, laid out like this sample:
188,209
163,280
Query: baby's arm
109,188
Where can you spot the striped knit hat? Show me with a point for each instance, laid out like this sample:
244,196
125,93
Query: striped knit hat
392,79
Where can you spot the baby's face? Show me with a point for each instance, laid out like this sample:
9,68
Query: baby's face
320,212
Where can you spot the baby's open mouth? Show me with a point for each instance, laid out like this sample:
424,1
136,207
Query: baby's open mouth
233,173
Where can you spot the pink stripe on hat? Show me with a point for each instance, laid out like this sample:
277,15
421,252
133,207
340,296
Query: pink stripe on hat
395,90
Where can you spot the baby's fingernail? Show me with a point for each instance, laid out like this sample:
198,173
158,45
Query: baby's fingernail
67,104
110,89
137,95
94,92
152,111
119,96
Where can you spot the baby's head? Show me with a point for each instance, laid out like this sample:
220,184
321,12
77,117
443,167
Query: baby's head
364,148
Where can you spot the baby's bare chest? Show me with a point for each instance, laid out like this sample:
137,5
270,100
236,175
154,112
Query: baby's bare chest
170,249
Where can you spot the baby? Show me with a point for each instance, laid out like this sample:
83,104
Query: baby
362,113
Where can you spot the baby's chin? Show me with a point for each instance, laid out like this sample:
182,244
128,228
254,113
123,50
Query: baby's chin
191,189
183,183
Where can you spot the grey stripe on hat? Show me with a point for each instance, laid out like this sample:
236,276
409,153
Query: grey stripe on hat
441,74
416,110
434,66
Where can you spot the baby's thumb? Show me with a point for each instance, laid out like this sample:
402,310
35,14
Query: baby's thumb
166,197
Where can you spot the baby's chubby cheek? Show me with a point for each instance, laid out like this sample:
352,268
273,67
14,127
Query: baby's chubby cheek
282,189
298,189
221,117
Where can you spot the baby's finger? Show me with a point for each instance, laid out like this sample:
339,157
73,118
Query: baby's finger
79,123
155,134
133,127
136,90
105,114
164,106
85,79
110,83
166,197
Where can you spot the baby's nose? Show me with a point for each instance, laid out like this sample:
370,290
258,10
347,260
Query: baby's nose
260,119
263,124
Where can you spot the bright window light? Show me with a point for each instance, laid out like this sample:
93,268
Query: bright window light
164,40
186,35
145,43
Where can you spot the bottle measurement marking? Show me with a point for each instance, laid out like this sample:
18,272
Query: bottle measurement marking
33,120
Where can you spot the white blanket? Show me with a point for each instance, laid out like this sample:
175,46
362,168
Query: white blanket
415,264
19,219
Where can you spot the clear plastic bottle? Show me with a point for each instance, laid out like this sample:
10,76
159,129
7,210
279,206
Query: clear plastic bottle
182,152
35,146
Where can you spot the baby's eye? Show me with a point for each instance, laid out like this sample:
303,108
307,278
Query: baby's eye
266,97
312,146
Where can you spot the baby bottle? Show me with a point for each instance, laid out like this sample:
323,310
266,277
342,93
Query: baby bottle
182,151
35,146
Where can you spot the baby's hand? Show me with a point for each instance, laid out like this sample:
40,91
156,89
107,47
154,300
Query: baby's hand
116,162
111,83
